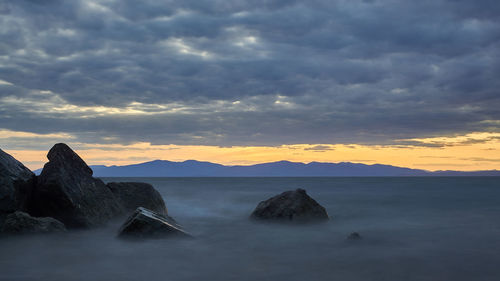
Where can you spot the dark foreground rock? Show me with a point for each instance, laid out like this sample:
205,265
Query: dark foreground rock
354,236
137,194
144,223
293,205
15,184
23,223
66,190
2,219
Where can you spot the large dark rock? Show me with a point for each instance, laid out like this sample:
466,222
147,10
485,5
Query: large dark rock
2,219
137,194
293,205
23,223
144,223
15,184
66,190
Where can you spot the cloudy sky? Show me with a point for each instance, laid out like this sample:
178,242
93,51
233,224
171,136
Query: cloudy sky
413,83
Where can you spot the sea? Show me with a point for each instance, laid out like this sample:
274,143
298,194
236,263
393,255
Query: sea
412,228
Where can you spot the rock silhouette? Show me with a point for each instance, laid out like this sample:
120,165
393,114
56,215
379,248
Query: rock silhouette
354,236
293,205
66,190
22,223
144,223
16,182
67,195
138,194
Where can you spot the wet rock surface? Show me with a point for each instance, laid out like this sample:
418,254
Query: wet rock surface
293,205
22,223
144,223
66,190
137,194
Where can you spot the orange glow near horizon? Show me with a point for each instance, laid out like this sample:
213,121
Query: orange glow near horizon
477,151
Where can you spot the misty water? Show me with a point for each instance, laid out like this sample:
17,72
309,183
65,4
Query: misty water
412,229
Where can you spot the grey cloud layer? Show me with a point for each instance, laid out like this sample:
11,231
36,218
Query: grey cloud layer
251,72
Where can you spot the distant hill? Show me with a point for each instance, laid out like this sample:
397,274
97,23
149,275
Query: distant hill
192,168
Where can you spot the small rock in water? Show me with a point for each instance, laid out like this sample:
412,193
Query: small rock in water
354,236
293,205
144,223
23,223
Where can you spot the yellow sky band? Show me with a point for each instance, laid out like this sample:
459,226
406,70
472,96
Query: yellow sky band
476,151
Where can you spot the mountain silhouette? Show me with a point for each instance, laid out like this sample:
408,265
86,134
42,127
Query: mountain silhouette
193,168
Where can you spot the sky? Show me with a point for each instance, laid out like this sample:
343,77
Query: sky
407,83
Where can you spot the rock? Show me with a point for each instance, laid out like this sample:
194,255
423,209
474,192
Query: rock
2,219
66,190
137,194
354,236
22,223
144,223
293,205
16,182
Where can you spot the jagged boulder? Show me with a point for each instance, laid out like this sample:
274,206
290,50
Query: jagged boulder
144,223
293,205
15,184
138,194
22,223
66,190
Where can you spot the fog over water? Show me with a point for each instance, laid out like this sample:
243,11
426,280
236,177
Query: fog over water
412,229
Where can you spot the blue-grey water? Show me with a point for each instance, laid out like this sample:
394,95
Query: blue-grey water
412,229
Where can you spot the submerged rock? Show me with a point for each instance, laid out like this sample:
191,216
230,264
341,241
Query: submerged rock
354,236
293,205
23,223
144,223
66,190
15,184
137,194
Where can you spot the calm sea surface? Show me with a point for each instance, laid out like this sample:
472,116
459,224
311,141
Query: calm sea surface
412,228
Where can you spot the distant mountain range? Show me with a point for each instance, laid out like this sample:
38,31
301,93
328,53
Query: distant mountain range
192,168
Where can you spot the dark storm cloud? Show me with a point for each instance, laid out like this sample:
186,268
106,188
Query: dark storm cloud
250,72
